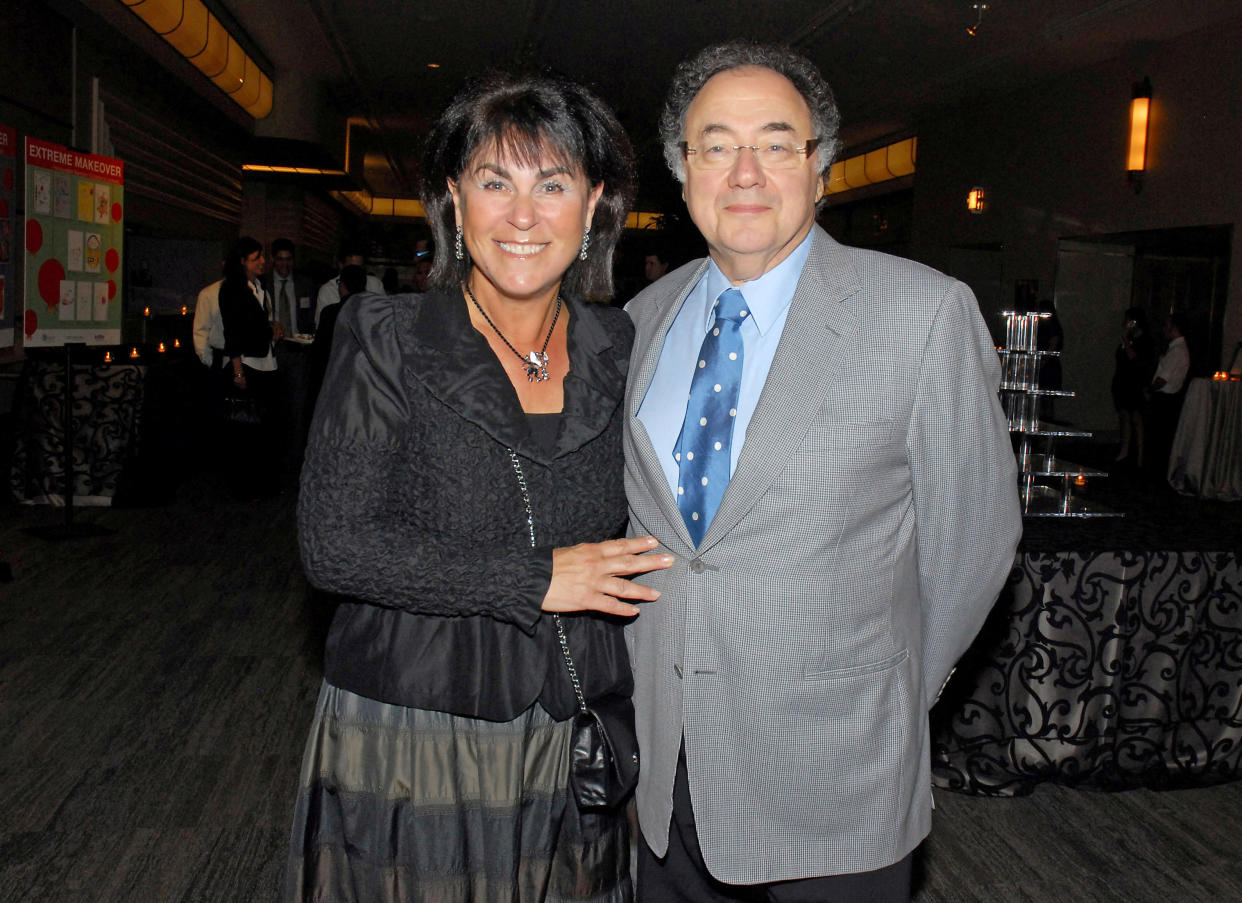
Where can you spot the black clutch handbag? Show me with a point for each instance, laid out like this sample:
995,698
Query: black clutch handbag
603,752
242,409
603,768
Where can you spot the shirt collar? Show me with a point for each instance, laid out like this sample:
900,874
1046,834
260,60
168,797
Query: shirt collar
766,297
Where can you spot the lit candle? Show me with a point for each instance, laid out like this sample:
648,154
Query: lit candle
176,343
161,348
133,352
107,357
184,309
146,311
1080,480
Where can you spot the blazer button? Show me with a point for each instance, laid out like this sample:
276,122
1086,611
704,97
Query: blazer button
697,566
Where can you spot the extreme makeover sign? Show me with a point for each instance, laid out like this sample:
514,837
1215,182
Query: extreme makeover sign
74,207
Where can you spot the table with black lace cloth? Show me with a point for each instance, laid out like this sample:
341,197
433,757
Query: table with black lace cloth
1100,669
107,406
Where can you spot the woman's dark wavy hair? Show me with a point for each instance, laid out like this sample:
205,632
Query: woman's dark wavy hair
528,119
235,263
693,73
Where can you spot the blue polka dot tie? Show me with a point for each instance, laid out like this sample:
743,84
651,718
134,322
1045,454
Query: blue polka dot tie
704,448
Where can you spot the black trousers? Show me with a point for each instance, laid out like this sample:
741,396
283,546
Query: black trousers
252,454
293,368
681,876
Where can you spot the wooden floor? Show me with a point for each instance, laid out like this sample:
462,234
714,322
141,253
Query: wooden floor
156,685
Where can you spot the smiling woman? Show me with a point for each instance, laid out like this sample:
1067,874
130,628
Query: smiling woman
534,124
456,430
522,224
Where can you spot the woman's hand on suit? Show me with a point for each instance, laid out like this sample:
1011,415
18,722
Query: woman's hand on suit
589,576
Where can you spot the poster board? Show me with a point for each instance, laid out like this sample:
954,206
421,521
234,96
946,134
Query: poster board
74,208
9,246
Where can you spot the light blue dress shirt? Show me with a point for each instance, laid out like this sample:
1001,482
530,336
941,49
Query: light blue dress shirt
767,299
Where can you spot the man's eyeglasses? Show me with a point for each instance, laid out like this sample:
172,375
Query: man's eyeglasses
771,154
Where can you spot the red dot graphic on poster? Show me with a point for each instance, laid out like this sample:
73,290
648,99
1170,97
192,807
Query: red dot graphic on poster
111,289
51,275
112,260
32,323
34,236
116,212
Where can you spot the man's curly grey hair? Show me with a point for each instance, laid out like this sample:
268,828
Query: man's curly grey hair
693,73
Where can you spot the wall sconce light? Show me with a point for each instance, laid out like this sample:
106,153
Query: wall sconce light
1140,110
977,200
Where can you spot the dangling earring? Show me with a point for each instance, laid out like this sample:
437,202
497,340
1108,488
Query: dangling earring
586,244
457,248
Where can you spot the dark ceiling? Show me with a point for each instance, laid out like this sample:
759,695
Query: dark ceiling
891,62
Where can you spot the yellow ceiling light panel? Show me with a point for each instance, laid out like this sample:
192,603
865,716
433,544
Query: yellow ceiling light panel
889,162
247,94
190,29
229,79
901,157
161,15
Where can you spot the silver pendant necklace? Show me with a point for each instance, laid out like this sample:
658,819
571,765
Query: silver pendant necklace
534,362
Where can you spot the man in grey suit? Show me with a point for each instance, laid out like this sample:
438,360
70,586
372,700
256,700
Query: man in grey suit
824,456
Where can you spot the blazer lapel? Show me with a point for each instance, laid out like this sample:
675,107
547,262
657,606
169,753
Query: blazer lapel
444,352
649,344
819,326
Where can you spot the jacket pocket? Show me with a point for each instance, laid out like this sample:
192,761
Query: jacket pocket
858,670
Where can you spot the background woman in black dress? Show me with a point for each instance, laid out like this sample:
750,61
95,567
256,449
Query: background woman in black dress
1135,360
251,450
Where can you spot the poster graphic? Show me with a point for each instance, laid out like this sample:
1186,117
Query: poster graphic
60,195
73,279
73,258
10,247
86,201
93,245
68,300
103,204
86,301
100,313
42,200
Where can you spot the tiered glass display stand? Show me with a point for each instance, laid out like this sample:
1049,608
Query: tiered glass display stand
1050,486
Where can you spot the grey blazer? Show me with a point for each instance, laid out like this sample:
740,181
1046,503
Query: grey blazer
868,527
